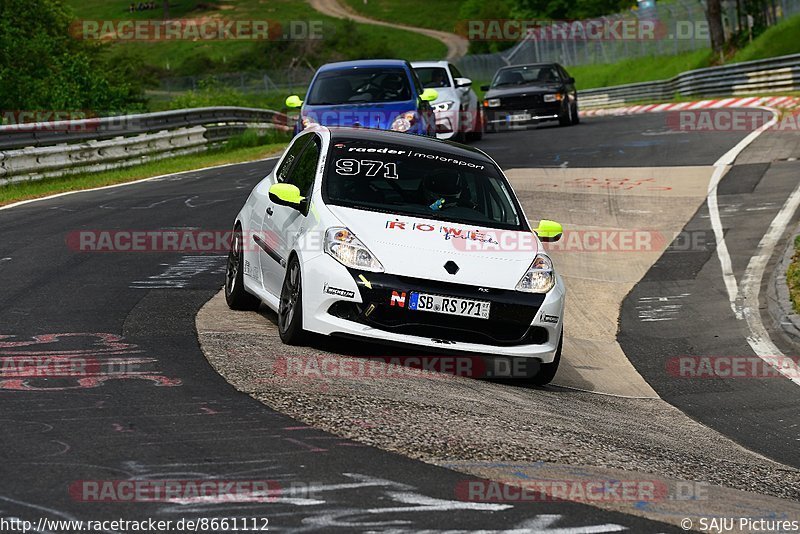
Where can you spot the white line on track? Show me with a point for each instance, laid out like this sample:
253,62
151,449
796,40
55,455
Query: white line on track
744,303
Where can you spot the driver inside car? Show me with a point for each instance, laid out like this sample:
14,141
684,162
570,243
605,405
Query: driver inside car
446,188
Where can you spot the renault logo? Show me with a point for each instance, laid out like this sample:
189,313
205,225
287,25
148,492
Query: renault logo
451,267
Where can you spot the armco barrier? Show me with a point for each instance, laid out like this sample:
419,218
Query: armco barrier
41,150
779,74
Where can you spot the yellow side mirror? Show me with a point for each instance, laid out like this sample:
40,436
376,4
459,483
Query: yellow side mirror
285,195
429,95
549,231
293,101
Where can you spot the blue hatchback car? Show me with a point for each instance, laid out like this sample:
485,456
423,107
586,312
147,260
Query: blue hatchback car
384,94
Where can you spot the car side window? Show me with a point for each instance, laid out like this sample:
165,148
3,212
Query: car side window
305,170
455,72
291,155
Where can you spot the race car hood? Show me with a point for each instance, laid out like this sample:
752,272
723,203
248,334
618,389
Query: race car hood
369,115
420,248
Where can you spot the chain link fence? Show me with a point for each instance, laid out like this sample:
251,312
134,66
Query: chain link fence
680,27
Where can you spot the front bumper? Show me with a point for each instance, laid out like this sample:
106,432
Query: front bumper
363,306
509,118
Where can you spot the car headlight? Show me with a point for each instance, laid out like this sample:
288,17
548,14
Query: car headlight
540,277
492,103
347,249
404,121
443,106
309,121
555,97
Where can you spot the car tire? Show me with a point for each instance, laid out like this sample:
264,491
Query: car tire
547,371
290,307
477,133
576,119
236,295
565,117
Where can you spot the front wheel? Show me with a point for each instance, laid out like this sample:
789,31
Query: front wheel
290,309
477,133
565,116
547,371
235,294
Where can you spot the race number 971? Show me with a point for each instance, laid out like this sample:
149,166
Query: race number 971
368,167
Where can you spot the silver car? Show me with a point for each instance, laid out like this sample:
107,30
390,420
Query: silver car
459,115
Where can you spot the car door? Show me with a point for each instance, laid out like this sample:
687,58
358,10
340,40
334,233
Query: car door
285,224
468,105
265,235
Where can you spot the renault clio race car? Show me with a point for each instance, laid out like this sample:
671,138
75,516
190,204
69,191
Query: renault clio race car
397,239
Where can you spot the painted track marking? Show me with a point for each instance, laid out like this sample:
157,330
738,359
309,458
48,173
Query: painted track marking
744,303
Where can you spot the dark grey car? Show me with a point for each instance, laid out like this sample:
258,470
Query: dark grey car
523,95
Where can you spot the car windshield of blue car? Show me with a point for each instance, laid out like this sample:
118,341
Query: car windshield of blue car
359,86
526,76
404,180
433,77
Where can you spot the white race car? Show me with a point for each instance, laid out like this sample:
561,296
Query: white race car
458,111
398,239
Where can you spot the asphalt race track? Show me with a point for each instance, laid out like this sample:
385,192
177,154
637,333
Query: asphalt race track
150,406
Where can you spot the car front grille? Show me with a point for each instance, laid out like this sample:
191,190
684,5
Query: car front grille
509,321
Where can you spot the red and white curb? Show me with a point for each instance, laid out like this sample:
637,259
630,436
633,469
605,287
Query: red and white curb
783,102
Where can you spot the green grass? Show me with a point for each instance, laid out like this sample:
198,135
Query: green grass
210,97
185,57
638,70
780,40
241,150
439,15
793,276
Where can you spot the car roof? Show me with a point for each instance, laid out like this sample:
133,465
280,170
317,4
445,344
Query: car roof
413,141
416,64
552,64
367,63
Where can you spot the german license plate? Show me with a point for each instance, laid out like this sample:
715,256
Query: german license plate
449,305
519,117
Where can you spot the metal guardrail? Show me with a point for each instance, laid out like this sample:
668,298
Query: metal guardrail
40,150
778,74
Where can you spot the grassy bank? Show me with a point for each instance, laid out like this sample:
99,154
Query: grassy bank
339,39
247,147
781,39
793,276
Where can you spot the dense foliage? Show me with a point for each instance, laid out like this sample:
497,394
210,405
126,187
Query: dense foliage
42,67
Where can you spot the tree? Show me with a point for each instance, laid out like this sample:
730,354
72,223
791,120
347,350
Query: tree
716,31
43,67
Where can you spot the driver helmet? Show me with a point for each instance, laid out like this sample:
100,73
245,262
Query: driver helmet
446,184
392,83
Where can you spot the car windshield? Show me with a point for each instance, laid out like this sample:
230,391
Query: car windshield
425,183
526,76
359,86
433,77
